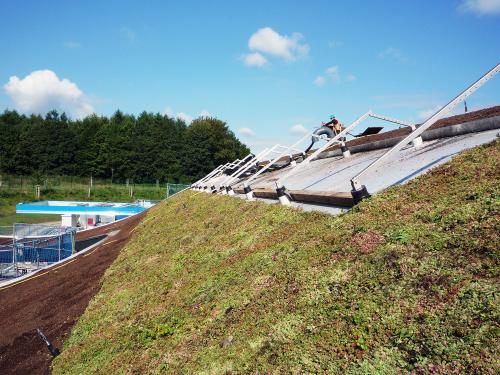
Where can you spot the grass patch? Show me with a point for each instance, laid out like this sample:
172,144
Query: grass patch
406,282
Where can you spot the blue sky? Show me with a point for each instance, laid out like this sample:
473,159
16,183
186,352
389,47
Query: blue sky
268,68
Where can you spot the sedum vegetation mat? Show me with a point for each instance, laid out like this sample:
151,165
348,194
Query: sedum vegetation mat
406,282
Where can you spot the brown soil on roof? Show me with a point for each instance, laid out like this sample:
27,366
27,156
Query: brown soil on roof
469,116
53,300
5,241
103,229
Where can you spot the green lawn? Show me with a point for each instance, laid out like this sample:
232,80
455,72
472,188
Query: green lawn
7,220
406,282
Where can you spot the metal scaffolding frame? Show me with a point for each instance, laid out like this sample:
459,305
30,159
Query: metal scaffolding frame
226,184
344,149
280,188
359,191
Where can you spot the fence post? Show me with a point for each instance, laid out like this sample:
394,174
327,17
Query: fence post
14,248
36,252
37,192
72,242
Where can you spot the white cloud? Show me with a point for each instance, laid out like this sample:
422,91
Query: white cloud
335,44
391,53
254,59
351,77
129,34
480,7
319,81
42,91
331,74
205,113
169,112
72,45
426,113
289,48
298,129
180,115
188,119
246,131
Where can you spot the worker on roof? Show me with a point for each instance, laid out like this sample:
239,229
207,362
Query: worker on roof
334,124
330,129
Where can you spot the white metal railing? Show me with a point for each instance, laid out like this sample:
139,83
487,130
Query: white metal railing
273,150
211,181
256,159
198,182
209,175
359,191
299,167
336,139
370,114
393,120
217,171
285,152
245,161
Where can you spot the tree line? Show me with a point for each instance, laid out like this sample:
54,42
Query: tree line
145,148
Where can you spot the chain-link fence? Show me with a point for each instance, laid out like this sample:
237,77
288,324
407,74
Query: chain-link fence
67,187
7,230
174,189
53,181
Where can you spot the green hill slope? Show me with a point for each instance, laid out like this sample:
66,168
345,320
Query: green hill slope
409,281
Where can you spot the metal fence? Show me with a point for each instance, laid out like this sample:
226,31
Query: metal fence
21,230
66,186
28,253
174,189
28,182
6,230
